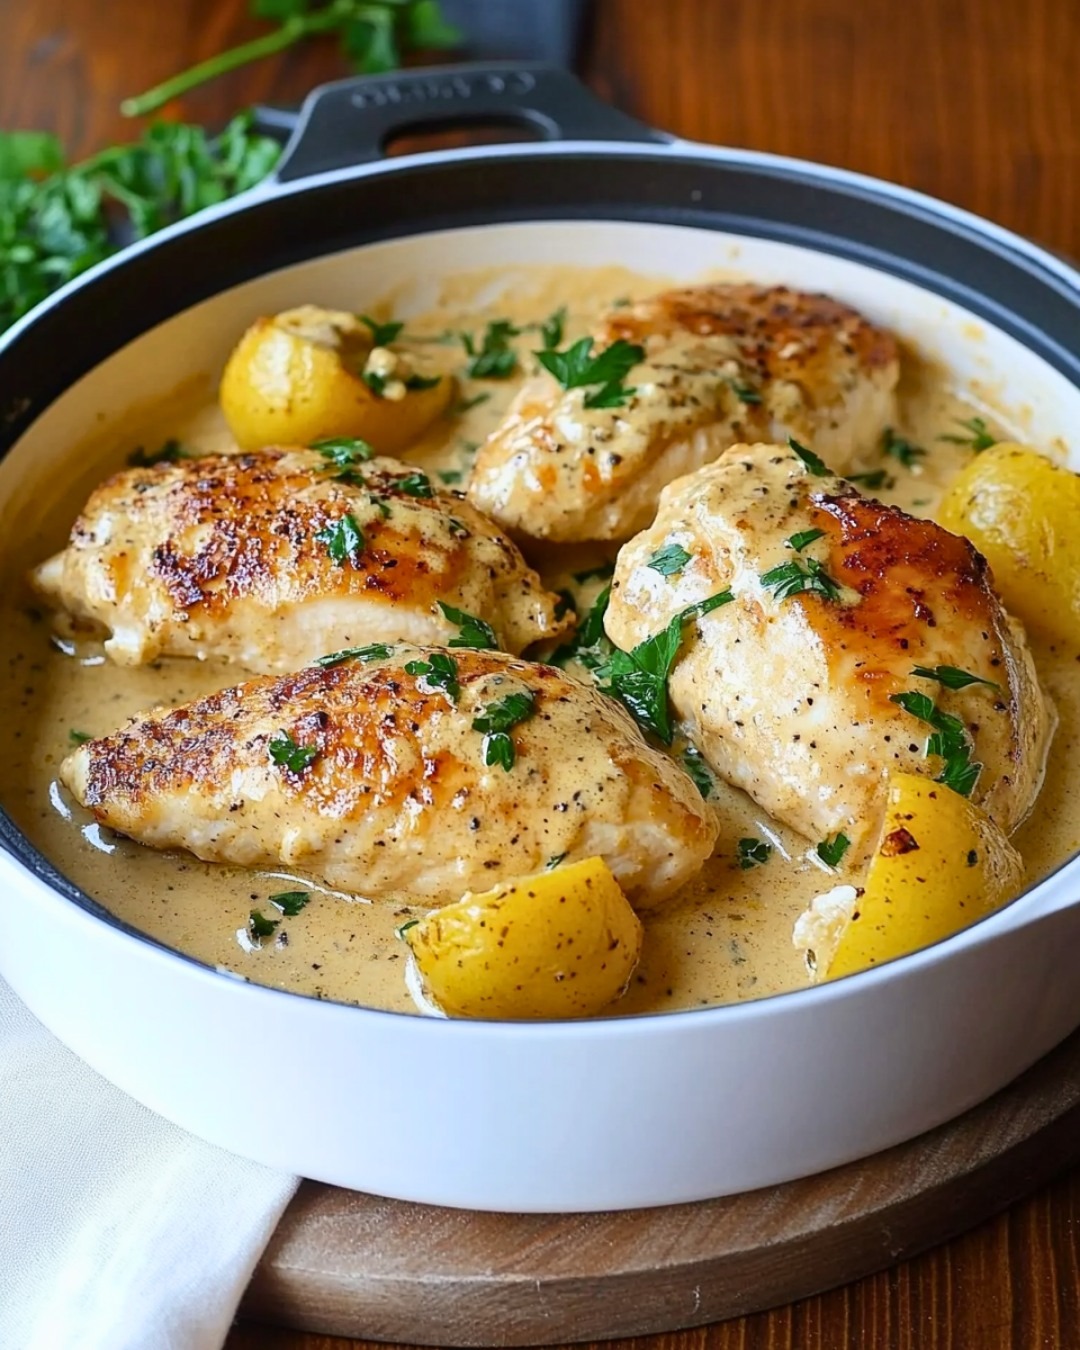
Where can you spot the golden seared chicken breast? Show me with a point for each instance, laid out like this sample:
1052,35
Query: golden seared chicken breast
858,641
405,773
667,385
272,559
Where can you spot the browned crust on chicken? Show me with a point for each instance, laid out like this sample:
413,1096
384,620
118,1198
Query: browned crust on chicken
392,795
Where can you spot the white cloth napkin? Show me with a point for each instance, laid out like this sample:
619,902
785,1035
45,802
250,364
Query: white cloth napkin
118,1231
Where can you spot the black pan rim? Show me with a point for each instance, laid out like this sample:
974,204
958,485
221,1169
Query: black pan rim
981,239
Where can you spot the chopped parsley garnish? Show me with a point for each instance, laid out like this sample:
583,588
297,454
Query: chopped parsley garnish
343,453
374,381
803,538
463,405
473,632
495,359
817,466
553,862
168,453
415,382
949,740
415,484
638,678
551,330
375,651
382,334
78,737
979,437
745,393
260,925
874,478
754,853
498,720
798,576
695,765
402,929
290,902
344,540
905,452
830,851
952,677
285,752
589,645
380,503
439,671
577,368
669,560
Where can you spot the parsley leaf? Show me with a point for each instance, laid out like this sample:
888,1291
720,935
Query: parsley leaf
495,359
376,651
554,861
422,382
473,632
745,393
439,671
669,560
979,437
797,576
415,484
577,367
498,720
344,540
903,451
952,677
949,740
638,678
551,330
699,771
290,902
800,540
817,467
589,645
285,752
830,851
754,853
168,453
78,737
343,453
260,925
382,334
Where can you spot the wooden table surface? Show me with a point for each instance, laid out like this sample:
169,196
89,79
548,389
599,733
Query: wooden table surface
976,101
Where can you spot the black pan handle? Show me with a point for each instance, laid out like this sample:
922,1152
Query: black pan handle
349,122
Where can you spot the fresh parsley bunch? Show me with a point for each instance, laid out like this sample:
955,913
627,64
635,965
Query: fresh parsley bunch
56,220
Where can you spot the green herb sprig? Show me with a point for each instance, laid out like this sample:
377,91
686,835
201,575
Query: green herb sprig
285,752
800,576
577,368
905,452
949,740
670,560
290,902
498,720
638,678
979,436
830,851
372,33
494,358
375,651
952,677
439,671
472,631
754,853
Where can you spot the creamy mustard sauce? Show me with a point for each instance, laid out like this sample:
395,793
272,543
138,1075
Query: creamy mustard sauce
728,935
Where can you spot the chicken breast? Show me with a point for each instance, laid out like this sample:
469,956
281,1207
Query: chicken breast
824,673
272,559
417,775
722,364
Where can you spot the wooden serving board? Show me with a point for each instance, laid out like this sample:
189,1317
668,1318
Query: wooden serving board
357,1265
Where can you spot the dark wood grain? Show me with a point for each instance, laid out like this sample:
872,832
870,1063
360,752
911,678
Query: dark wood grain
976,101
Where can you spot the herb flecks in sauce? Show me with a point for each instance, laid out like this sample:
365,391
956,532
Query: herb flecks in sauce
472,631
498,720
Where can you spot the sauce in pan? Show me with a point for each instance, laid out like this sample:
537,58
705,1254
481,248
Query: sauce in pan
726,938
